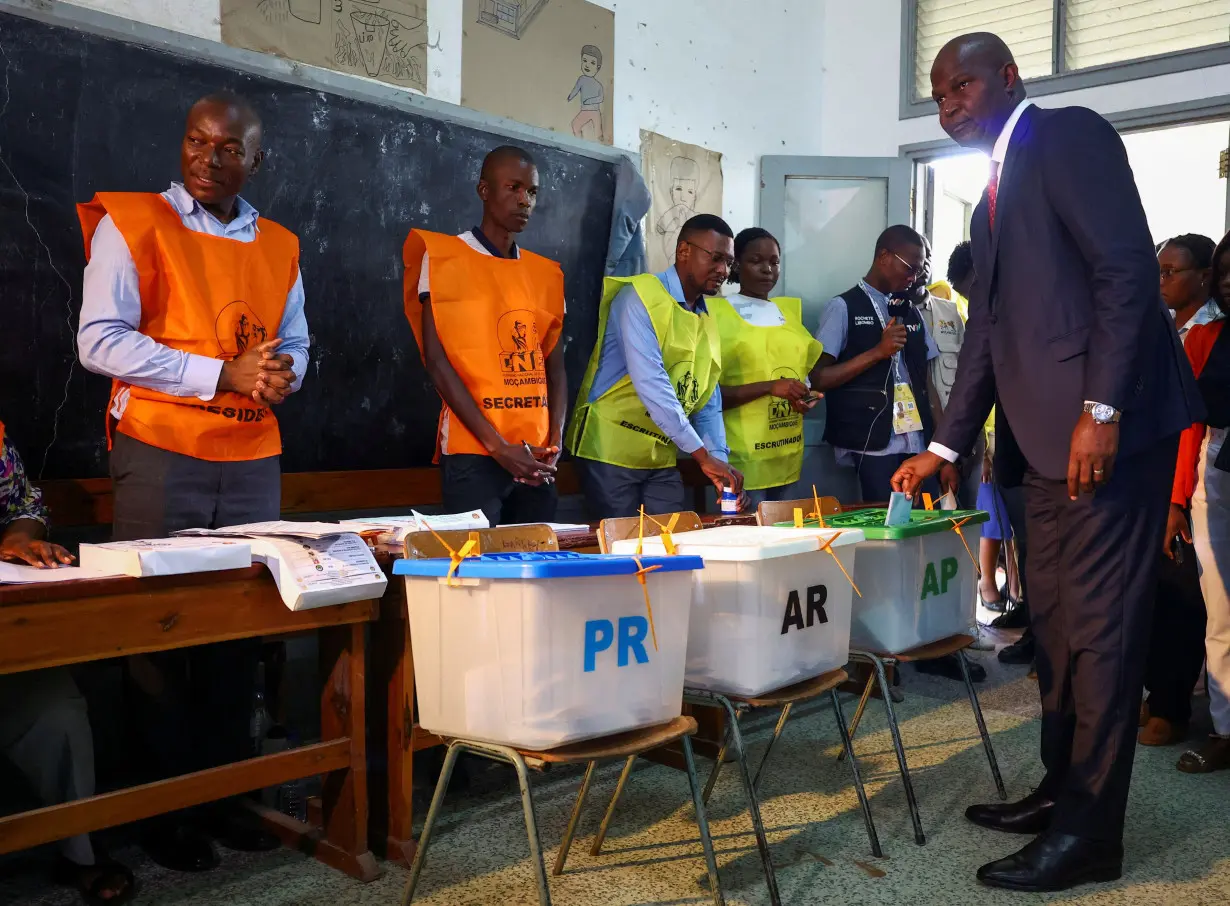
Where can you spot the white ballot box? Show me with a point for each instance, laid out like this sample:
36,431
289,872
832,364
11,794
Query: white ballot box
770,607
166,556
538,650
917,579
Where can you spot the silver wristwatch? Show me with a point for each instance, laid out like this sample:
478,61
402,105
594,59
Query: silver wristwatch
1102,413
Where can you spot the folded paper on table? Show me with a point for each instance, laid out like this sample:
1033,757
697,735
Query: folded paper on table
321,572
394,529
276,528
21,574
166,556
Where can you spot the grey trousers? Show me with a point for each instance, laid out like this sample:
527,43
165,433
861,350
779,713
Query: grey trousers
45,733
613,491
191,706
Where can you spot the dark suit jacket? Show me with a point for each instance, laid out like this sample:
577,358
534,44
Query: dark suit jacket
1066,306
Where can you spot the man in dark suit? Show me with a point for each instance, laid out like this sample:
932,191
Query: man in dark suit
1068,336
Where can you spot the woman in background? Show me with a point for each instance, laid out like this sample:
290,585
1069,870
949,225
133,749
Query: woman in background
1202,480
44,727
767,355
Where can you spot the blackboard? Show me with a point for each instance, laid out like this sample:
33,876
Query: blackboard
80,113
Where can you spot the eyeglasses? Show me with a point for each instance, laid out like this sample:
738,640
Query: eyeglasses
717,257
1170,272
913,270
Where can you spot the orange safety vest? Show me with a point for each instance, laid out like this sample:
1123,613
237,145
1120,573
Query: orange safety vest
201,294
498,319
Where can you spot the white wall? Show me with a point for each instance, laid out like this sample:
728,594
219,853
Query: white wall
699,71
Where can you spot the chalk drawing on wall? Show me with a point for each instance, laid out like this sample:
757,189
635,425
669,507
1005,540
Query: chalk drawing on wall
512,17
559,74
381,39
588,122
684,180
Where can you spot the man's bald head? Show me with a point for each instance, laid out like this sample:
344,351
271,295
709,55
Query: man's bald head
976,85
504,154
221,149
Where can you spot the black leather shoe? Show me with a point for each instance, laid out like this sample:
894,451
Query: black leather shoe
1032,815
238,829
1016,618
179,848
1055,861
1020,651
950,667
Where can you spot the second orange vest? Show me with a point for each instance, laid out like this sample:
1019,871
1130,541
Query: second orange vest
498,319
201,294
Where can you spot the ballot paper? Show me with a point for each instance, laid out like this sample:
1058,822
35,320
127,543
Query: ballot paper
394,529
321,572
899,507
166,556
21,574
278,528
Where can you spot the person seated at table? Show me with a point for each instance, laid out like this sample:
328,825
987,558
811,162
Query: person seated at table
766,357
193,306
44,727
487,316
650,388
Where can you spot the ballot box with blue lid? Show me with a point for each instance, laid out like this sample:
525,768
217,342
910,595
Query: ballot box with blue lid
771,606
918,579
538,650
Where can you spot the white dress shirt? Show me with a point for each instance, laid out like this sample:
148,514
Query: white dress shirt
109,340
999,154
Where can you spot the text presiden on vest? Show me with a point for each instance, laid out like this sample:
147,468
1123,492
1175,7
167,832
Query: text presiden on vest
200,294
765,436
499,318
616,428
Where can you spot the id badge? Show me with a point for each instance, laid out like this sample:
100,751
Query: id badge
905,410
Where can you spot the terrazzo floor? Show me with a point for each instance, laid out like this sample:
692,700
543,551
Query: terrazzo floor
1178,835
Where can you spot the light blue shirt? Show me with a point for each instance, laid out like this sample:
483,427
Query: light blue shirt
1205,314
833,332
109,340
630,347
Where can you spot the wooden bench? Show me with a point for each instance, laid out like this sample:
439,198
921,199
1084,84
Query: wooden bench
56,624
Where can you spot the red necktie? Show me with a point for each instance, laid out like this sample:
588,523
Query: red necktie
993,191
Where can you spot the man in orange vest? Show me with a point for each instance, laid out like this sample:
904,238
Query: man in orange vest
193,306
487,316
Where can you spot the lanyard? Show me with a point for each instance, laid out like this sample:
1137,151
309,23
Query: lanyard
901,379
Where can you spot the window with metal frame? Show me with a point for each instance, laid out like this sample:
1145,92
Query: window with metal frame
1052,39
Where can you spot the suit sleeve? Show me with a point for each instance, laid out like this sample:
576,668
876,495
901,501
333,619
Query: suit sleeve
1089,184
973,389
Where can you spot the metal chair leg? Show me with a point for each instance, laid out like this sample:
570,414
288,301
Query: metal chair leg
858,712
596,849
531,824
710,699
982,726
882,678
706,842
437,799
848,747
777,732
566,844
753,802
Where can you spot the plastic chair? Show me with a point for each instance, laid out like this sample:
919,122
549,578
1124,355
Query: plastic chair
421,545
735,706
954,644
771,512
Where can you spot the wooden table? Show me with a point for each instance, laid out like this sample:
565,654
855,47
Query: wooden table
56,624
393,721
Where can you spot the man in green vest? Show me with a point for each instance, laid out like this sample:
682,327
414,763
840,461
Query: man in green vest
649,390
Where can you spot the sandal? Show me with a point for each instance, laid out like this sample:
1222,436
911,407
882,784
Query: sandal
92,881
1214,755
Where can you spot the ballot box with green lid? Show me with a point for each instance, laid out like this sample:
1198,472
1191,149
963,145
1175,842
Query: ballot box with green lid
771,607
917,579
537,650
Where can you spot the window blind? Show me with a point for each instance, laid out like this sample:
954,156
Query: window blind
1027,26
1098,32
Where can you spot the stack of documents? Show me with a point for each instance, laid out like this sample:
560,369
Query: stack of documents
165,556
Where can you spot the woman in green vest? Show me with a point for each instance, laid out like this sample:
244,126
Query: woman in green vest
767,355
